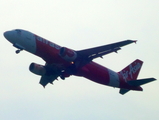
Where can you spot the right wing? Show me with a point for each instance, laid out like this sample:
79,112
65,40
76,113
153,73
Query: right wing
95,52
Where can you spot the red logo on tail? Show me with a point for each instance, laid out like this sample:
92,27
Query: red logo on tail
131,71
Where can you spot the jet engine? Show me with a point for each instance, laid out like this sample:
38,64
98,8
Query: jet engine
68,54
37,69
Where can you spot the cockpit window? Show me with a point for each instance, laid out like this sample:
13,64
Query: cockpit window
18,31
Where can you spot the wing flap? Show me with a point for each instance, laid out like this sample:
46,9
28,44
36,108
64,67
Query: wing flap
100,54
47,79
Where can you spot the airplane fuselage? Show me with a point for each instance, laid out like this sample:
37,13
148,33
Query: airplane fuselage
55,55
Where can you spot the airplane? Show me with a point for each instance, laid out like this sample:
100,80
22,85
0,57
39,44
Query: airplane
63,62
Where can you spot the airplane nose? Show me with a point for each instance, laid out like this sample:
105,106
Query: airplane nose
8,35
5,34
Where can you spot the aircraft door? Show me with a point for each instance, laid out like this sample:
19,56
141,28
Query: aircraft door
30,43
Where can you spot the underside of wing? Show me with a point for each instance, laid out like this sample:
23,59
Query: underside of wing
47,79
93,53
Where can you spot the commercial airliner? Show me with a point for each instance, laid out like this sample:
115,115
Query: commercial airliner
63,62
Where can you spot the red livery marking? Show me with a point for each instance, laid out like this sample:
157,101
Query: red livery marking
95,72
70,53
131,71
47,50
47,42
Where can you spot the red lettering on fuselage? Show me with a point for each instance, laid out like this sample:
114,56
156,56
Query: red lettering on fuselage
47,42
49,52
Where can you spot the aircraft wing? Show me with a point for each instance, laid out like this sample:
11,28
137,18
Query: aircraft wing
93,53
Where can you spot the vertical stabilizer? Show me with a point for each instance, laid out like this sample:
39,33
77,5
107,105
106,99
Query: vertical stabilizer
131,72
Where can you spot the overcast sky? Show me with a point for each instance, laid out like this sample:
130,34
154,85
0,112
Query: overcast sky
79,25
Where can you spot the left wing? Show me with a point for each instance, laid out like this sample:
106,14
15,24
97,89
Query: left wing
53,72
45,79
93,53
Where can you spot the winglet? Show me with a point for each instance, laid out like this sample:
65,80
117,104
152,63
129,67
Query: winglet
135,41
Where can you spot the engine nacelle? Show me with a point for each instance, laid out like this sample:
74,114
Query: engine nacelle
37,69
68,54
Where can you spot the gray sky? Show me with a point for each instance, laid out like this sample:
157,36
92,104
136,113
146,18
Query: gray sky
80,25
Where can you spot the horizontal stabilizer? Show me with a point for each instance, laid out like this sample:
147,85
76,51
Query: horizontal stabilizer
136,83
123,91
140,81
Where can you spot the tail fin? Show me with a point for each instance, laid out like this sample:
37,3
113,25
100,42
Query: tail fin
131,72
